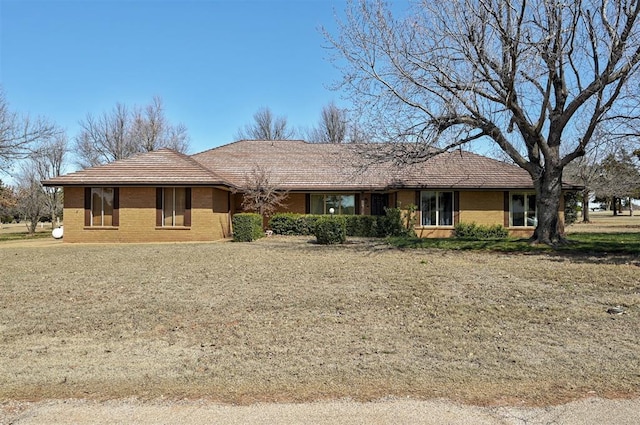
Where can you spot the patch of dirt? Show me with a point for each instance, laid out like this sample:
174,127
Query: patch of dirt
286,320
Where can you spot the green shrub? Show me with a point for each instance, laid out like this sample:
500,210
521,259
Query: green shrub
480,232
571,207
293,224
331,230
247,227
392,224
362,225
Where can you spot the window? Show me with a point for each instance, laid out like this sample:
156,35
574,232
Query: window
173,207
101,207
341,204
523,210
436,208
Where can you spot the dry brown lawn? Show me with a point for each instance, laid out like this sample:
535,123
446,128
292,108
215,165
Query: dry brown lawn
284,319
606,222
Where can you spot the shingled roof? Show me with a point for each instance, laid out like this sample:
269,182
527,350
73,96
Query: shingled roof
300,166
161,167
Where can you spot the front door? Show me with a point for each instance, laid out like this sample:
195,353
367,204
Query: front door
379,201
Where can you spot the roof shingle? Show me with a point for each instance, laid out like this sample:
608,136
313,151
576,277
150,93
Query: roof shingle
161,167
300,166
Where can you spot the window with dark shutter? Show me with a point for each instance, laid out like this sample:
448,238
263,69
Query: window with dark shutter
101,206
173,207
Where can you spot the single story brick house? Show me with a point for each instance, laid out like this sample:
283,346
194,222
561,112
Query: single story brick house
168,196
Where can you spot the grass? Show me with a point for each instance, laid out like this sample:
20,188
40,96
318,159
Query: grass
23,236
584,243
18,231
284,319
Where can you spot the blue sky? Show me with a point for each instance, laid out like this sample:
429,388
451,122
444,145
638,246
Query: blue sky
213,62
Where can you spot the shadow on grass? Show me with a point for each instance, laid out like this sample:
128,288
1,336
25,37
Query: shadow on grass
581,244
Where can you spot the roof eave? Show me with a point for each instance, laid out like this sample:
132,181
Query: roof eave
57,183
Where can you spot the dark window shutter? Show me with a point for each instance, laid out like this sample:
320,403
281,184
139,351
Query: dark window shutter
307,203
456,207
187,207
116,207
506,209
418,199
87,206
357,201
159,206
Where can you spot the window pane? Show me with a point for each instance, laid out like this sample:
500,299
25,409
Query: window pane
332,201
96,206
348,204
532,219
517,210
428,207
167,206
180,205
317,204
107,206
445,208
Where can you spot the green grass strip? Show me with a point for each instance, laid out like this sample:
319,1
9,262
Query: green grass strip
585,243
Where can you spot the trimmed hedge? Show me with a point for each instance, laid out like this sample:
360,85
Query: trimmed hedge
480,232
368,226
362,225
331,230
293,224
247,227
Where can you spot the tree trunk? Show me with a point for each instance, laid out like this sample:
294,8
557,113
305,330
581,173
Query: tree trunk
585,206
548,192
614,204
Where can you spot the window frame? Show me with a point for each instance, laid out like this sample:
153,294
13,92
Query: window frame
341,207
89,207
526,210
438,209
160,208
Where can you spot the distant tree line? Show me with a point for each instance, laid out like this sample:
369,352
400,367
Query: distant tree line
610,176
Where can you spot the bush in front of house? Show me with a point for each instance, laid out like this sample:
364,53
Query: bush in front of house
331,230
247,227
479,231
293,224
368,226
362,225
392,224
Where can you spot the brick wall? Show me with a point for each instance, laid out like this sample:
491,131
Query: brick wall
138,218
485,208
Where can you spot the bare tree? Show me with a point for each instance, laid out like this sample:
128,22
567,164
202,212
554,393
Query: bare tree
261,194
30,197
124,132
266,126
619,178
332,126
18,133
151,131
533,77
48,161
587,170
